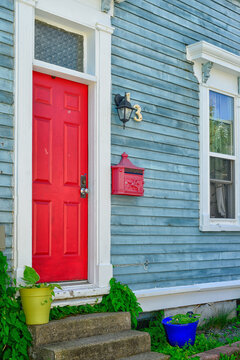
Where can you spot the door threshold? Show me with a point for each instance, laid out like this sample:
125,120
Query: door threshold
78,293
72,283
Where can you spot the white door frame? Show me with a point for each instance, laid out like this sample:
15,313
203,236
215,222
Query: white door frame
96,26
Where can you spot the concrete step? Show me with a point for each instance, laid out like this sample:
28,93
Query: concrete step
80,326
103,347
148,356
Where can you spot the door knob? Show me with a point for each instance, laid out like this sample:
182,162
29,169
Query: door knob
84,192
83,186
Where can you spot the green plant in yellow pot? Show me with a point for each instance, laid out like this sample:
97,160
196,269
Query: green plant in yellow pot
36,297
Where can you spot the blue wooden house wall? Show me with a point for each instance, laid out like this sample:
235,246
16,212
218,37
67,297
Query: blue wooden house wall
6,120
156,240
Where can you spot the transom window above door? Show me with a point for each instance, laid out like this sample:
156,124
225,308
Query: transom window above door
58,46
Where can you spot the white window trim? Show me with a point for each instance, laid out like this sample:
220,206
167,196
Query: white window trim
97,25
201,53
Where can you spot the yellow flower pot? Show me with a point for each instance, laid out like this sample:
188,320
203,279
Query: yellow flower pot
36,304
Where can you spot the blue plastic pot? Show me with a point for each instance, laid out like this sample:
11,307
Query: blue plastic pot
181,334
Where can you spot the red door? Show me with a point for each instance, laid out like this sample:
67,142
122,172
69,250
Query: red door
60,157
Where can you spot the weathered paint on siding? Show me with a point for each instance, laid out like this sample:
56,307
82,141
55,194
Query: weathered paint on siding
149,61
6,121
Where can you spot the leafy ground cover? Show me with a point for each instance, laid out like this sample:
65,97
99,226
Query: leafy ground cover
14,335
120,298
231,357
206,339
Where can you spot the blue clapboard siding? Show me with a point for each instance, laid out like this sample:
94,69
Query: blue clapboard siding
161,229
6,121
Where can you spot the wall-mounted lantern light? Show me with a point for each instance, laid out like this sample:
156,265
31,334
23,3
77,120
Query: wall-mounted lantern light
124,107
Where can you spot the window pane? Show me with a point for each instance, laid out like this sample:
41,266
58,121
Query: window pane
59,47
222,204
220,169
221,112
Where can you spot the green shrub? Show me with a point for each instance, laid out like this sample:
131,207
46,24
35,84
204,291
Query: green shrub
14,335
120,298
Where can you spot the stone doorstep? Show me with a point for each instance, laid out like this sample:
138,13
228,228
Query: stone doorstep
79,326
101,347
214,354
92,336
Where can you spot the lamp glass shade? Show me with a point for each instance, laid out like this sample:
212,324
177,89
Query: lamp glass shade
121,113
128,113
124,113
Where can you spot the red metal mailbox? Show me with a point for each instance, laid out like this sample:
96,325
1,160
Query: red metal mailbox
127,179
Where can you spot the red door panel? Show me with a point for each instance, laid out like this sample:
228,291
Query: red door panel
60,157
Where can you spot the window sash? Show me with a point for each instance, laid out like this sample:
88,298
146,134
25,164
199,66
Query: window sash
228,202
221,123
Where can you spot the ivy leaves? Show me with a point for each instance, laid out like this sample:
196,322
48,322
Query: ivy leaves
120,298
14,335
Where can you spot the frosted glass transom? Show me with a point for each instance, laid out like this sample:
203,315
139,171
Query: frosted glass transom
58,46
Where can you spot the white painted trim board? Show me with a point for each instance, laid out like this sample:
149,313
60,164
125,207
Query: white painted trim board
97,27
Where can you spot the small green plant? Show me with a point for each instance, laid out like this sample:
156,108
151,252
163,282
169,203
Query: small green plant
187,318
229,357
216,322
14,335
31,278
238,312
156,331
37,311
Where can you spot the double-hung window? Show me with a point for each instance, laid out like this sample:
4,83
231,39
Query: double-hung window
221,156
218,74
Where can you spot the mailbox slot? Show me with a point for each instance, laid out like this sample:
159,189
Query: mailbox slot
133,171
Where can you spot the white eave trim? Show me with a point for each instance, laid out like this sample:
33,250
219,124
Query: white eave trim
203,51
166,298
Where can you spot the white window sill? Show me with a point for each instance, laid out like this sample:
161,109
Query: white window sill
220,226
